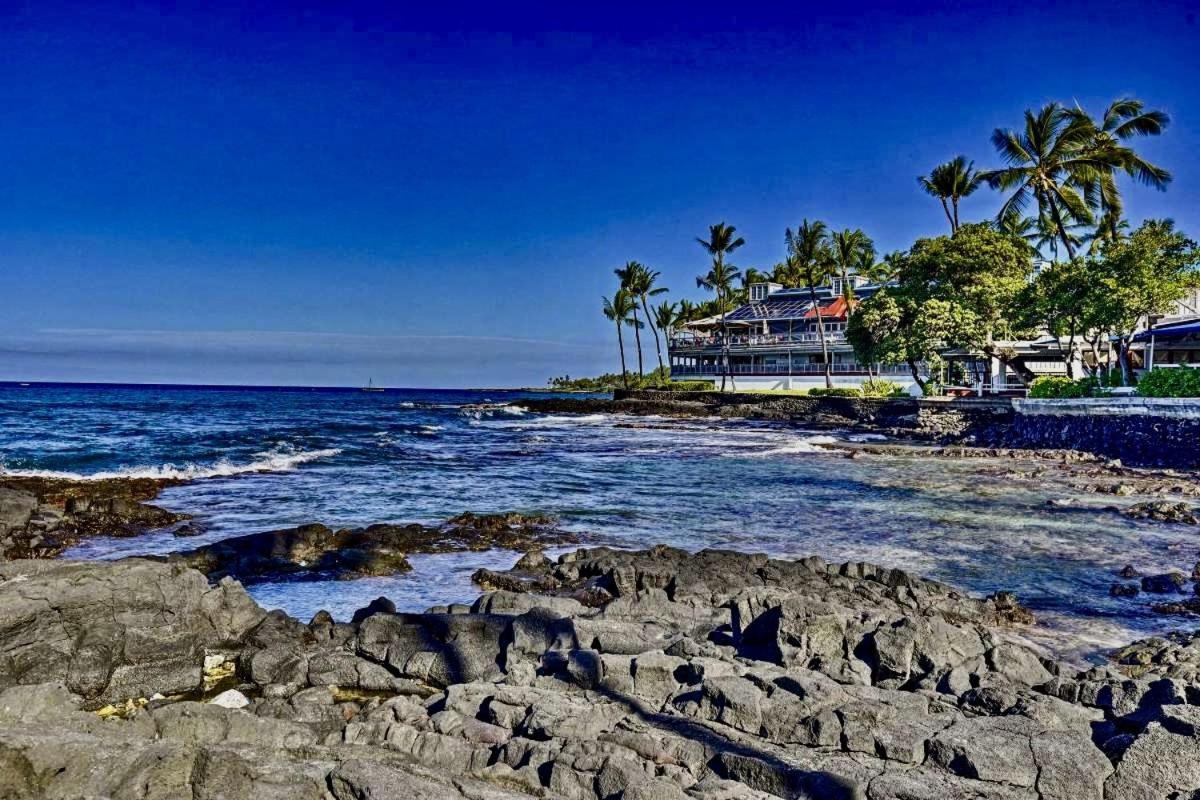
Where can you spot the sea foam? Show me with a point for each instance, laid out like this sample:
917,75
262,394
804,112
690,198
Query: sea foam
277,460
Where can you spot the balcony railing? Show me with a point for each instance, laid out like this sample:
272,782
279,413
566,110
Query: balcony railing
797,369
758,340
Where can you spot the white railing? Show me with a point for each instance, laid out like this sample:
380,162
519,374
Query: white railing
797,369
758,340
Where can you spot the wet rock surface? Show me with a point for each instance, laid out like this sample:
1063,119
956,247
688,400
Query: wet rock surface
316,552
42,517
627,675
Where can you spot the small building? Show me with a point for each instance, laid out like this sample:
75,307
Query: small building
775,342
1170,344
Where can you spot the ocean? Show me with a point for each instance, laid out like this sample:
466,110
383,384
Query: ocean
265,458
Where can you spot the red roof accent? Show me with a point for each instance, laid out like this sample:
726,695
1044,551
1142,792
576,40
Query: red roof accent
834,310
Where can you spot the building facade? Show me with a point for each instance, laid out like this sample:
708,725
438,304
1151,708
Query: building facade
775,343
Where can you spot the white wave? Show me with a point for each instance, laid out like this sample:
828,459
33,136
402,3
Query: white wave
808,445
407,404
479,412
279,460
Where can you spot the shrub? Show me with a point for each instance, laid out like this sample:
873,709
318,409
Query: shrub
882,387
1053,387
1170,382
691,386
837,391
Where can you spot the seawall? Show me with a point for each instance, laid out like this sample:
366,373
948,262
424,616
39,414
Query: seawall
1142,431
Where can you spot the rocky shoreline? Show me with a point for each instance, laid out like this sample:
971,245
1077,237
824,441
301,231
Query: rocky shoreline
42,517
604,674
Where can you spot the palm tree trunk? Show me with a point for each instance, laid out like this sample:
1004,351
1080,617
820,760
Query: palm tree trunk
949,218
954,200
654,330
637,335
1062,232
621,347
726,366
821,332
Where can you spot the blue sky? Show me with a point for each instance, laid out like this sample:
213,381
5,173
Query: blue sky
275,193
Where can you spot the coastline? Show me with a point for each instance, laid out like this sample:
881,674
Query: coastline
645,674
603,673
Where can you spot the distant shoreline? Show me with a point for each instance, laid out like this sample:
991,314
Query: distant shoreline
11,384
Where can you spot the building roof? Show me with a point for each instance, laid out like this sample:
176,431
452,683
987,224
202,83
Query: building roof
1174,330
834,310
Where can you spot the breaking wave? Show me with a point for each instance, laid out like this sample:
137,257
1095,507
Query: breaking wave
278,460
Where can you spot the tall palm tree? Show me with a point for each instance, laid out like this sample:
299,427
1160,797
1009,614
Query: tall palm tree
1047,162
850,249
629,277
722,241
1067,163
951,182
665,318
620,310
810,264
640,281
1123,120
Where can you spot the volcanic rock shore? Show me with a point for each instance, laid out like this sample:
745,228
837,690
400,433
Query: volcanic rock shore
617,675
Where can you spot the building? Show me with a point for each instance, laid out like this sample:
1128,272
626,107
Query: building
774,342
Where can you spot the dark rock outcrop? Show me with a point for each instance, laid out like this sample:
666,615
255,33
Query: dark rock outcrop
714,676
42,517
317,552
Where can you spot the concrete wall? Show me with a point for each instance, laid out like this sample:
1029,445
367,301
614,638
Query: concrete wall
1167,407
766,383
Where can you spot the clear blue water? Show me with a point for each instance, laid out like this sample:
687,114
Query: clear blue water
267,459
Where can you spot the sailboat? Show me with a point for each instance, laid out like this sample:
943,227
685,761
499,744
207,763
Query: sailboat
371,387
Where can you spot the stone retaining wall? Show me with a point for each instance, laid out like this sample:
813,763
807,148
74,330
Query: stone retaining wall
1143,431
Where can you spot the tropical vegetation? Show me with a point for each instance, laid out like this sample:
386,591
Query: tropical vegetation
982,284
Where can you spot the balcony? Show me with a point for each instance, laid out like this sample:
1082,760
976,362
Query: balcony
679,371
770,340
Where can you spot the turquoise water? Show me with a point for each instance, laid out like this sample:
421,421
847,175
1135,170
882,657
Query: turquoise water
267,459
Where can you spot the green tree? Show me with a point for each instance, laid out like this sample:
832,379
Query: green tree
810,263
620,310
950,183
1143,276
850,250
1061,300
893,327
981,272
720,279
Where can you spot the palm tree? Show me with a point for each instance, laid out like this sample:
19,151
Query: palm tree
722,240
619,310
882,271
665,319
1047,163
1123,120
1067,163
850,249
628,275
688,311
809,263
639,281
952,181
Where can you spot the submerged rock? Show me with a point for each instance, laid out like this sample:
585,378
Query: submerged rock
1164,511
